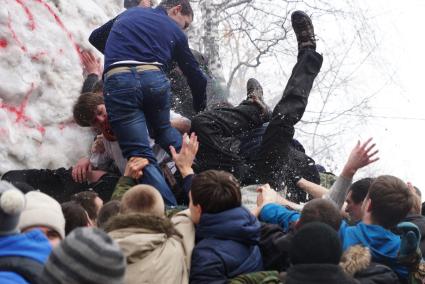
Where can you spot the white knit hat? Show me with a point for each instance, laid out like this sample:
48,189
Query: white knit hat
12,203
42,210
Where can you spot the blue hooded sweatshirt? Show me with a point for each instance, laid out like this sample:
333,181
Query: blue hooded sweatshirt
383,244
33,245
227,245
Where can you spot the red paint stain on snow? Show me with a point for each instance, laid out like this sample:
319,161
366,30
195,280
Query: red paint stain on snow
31,22
19,111
3,43
37,56
14,35
62,26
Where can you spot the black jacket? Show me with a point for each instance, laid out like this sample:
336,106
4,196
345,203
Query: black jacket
274,246
317,273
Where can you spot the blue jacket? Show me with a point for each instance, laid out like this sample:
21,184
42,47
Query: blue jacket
383,244
150,35
33,245
227,245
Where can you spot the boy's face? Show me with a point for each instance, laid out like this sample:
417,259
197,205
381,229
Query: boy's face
195,210
100,117
353,209
183,21
52,235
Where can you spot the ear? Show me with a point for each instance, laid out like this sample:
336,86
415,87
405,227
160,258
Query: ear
368,205
176,9
198,209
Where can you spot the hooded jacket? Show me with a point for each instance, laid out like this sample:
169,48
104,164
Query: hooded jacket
357,262
383,244
154,248
316,273
227,245
25,254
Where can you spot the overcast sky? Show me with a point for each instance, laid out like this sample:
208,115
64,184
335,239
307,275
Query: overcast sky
400,135
395,73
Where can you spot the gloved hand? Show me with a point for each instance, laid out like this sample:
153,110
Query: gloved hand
410,236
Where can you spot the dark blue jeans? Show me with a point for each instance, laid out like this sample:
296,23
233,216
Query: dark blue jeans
135,101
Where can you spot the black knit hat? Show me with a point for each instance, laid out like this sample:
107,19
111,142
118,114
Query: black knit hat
86,255
315,243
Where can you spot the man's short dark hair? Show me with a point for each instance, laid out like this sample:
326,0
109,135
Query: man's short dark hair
109,210
85,108
359,189
215,191
391,200
75,216
87,200
321,210
185,4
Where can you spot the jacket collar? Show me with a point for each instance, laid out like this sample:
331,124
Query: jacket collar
143,221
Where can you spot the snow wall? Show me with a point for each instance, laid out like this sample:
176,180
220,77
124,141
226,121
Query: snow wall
41,76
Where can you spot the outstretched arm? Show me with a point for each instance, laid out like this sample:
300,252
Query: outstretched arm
133,171
270,211
195,77
362,155
315,190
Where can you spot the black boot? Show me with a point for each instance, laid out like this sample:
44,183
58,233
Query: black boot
254,93
304,30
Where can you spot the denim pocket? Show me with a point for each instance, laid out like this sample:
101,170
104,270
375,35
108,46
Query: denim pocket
120,83
159,87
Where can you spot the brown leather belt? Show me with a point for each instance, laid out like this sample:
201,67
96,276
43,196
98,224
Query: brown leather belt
125,69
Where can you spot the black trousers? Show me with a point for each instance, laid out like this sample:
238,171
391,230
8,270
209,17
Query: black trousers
218,132
59,183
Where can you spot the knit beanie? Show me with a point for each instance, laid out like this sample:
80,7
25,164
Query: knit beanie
87,255
12,203
315,243
42,210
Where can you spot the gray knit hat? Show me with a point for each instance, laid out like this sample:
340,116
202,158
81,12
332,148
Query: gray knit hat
42,210
87,255
12,203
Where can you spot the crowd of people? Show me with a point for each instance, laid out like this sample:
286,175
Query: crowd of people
160,198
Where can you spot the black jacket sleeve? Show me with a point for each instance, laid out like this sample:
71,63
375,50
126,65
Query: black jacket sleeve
89,83
100,35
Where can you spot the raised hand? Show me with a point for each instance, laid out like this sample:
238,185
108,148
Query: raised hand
184,159
362,155
91,65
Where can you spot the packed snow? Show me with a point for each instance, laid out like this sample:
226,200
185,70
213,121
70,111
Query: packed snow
40,45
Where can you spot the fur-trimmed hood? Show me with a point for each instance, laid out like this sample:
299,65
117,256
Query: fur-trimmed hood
145,222
357,262
355,259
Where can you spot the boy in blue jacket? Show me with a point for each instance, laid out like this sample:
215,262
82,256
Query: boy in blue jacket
386,204
22,256
227,234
